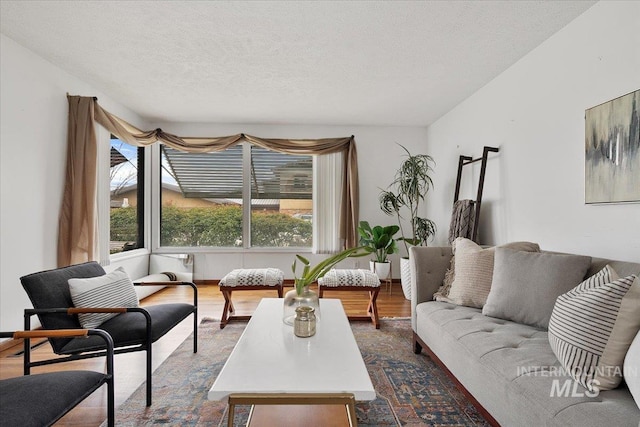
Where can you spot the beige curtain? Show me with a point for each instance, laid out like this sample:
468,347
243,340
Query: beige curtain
137,137
77,228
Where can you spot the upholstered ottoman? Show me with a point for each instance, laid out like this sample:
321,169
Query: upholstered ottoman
354,280
244,279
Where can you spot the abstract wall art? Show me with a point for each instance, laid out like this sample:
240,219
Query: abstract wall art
612,151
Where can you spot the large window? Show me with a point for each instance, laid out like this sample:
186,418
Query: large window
126,209
245,196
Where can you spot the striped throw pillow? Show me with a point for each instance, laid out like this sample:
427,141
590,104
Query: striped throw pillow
111,290
592,327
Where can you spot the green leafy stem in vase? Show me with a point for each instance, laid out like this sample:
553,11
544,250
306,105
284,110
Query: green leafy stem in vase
310,275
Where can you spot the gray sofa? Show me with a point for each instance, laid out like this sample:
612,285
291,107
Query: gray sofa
488,356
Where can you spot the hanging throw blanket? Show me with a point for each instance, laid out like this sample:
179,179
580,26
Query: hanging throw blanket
462,219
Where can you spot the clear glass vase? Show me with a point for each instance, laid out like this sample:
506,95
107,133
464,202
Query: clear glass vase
292,300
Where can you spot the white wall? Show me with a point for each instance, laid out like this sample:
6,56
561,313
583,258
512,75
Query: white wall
535,186
33,108
534,112
378,159
33,155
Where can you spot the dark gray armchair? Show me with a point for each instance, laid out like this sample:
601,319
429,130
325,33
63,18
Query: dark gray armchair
133,329
42,399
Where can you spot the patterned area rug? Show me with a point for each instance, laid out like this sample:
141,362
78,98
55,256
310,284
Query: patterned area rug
411,389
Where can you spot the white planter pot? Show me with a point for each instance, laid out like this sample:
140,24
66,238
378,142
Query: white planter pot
382,269
405,277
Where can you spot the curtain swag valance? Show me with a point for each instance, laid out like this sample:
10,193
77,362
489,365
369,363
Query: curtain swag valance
77,241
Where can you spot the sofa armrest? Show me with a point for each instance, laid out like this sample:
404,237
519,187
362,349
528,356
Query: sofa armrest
428,267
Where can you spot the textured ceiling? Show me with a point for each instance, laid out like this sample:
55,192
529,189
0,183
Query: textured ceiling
357,63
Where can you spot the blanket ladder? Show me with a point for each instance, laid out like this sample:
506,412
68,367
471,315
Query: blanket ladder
467,160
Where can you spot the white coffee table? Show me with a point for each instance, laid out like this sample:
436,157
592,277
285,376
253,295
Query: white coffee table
269,360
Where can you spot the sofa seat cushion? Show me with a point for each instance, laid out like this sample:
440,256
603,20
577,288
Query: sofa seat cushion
508,346
508,367
573,405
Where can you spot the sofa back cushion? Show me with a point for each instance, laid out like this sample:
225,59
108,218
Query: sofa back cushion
526,284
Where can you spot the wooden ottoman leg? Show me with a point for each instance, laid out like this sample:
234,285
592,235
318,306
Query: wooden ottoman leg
373,308
228,308
279,289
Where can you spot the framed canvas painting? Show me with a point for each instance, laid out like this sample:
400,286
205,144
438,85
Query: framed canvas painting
612,151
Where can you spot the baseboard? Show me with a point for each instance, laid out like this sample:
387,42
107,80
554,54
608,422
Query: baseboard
492,421
10,343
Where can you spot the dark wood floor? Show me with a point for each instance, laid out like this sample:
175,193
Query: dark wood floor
130,367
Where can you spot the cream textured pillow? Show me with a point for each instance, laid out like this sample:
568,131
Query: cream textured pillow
592,327
474,270
111,290
442,294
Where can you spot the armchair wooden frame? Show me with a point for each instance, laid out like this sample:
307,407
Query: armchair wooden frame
146,345
107,379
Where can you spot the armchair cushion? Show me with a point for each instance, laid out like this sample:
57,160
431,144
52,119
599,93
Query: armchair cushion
111,290
130,328
41,399
50,289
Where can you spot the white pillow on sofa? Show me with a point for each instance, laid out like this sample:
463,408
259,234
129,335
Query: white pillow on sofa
631,369
111,290
592,326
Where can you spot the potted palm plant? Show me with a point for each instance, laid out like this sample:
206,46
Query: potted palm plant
411,183
380,242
